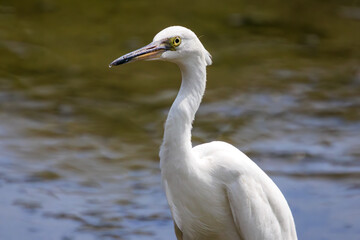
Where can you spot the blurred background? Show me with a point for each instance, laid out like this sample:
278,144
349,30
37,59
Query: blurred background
79,141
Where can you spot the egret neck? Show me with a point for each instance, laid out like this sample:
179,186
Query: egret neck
177,148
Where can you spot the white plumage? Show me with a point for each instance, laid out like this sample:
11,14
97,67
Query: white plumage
215,192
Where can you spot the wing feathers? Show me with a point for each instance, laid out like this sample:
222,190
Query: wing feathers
252,212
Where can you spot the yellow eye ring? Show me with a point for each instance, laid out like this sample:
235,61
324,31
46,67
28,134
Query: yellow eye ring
176,41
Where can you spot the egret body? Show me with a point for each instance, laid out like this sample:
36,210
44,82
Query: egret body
215,192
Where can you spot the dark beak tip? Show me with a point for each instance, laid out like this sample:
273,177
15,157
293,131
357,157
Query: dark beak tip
111,64
119,61
141,54
114,63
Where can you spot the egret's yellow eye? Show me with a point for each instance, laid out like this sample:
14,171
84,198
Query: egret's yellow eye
176,41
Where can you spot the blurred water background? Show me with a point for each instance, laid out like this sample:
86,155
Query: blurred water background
79,141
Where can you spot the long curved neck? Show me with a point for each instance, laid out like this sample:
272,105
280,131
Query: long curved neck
177,135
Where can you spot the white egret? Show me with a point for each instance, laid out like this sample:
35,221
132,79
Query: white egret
214,190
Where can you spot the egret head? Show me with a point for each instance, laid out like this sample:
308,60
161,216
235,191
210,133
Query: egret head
175,44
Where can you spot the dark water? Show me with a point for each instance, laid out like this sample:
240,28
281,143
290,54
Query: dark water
79,142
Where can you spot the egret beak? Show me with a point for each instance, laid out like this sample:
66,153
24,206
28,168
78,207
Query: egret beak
149,52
